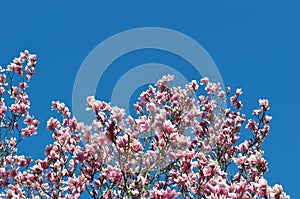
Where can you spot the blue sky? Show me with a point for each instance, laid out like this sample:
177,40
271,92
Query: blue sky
255,45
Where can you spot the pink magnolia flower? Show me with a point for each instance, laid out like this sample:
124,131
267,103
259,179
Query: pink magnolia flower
52,124
204,81
143,123
264,103
238,92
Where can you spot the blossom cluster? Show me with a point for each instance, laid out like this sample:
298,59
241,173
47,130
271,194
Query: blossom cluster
180,145
16,122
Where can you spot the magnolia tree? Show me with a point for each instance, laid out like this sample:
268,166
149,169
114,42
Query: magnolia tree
178,146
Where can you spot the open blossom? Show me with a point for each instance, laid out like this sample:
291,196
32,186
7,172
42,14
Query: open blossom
162,83
151,108
212,88
29,120
193,86
257,112
264,103
238,92
143,124
204,81
95,105
267,118
76,185
28,131
168,127
118,114
52,124
252,125
221,94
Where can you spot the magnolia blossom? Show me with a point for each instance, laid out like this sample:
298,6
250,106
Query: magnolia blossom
180,145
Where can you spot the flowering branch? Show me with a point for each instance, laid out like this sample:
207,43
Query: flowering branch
180,145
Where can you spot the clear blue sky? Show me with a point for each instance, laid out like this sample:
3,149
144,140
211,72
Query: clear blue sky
255,45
